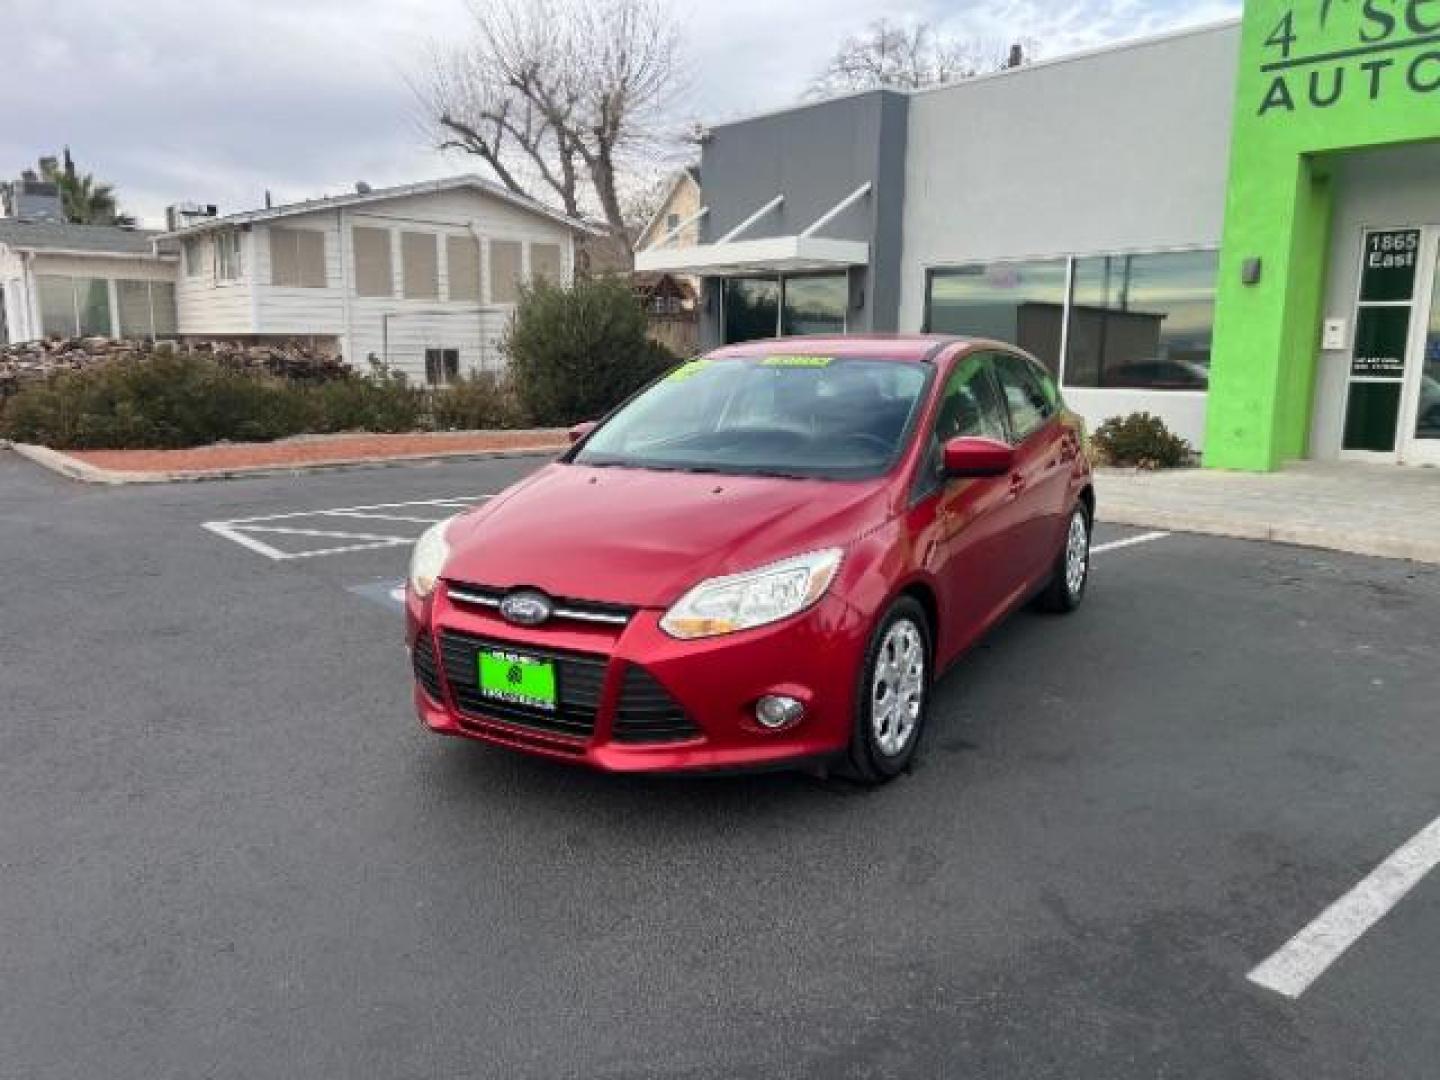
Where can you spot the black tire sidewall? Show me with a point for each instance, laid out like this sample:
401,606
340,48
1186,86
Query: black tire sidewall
867,761
1073,601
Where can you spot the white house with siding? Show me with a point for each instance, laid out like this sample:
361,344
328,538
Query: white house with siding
422,278
58,279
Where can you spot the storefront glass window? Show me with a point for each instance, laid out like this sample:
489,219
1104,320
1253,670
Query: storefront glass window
816,304
1143,321
1022,303
752,309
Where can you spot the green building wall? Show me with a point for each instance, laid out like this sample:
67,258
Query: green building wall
1317,79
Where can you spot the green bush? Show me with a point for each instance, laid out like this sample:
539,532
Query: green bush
174,399
478,401
575,353
1142,441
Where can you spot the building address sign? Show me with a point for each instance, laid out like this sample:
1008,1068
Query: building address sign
1323,53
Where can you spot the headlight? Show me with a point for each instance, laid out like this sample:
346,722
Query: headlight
724,605
428,559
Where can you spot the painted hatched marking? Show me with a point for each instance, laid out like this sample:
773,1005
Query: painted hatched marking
337,530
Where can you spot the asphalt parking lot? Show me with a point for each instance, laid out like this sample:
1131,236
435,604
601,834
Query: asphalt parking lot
228,851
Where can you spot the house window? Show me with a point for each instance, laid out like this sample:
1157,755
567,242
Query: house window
420,266
1018,302
146,309
504,271
545,262
57,306
297,258
672,222
74,307
462,261
442,366
1142,321
194,249
374,275
228,266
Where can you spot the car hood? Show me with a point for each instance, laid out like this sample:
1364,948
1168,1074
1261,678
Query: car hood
643,537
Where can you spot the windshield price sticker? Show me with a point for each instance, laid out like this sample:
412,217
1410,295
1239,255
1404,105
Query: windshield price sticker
797,361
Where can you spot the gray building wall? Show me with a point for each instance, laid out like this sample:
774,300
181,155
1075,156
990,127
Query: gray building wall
1124,149
815,155
1398,187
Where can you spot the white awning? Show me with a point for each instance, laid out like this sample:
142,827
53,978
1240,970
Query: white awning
779,254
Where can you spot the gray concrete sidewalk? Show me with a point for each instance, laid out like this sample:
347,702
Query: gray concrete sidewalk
1385,510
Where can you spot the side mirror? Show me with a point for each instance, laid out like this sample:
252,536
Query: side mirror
971,456
579,431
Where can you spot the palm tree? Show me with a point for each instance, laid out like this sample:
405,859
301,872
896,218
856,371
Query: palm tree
86,201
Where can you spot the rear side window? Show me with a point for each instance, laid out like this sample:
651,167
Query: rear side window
1030,402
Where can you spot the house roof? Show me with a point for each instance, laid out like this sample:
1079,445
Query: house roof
80,239
359,198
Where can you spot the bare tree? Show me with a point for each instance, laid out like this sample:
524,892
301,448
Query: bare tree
558,96
909,57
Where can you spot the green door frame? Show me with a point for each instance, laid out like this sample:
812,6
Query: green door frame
1318,78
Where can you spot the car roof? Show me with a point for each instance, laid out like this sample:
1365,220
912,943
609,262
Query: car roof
905,347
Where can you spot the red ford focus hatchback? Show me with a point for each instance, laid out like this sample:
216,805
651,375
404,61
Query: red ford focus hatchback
763,558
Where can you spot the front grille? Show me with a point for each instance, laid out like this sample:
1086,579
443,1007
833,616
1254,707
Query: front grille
579,680
427,671
648,714
566,609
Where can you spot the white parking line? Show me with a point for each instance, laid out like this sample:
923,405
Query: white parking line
1307,955
405,518
1129,541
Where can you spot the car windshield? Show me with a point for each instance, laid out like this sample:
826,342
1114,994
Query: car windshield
798,416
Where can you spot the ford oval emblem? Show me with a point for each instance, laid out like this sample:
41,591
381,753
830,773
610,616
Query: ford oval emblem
527,608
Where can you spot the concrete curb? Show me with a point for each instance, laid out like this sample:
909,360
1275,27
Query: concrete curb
1310,536
75,469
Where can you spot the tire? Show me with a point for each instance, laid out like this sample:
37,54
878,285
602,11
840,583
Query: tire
883,745
1069,579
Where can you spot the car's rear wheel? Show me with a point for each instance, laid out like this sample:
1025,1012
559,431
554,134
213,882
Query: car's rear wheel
1071,572
894,695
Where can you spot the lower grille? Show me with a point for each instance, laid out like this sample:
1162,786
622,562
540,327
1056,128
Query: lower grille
579,681
427,671
648,714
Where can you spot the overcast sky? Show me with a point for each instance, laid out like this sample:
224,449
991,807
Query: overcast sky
218,100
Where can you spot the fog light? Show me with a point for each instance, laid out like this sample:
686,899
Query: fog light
775,711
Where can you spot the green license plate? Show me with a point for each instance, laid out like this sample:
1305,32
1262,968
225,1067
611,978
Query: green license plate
517,680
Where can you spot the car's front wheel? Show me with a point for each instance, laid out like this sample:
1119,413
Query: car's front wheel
894,695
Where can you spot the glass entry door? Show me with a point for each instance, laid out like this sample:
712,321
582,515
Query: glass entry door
1392,408
1421,442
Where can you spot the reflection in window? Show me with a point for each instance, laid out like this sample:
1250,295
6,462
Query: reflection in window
1142,321
815,304
752,309
1021,303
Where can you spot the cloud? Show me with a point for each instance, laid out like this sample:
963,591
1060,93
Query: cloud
222,100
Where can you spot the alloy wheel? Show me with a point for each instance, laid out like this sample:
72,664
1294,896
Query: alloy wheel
897,689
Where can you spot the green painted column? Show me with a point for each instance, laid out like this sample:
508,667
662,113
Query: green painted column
1316,79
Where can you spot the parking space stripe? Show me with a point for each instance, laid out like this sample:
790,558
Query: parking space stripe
259,547
384,517
1307,955
1129,541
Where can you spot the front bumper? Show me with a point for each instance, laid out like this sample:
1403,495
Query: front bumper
716,682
